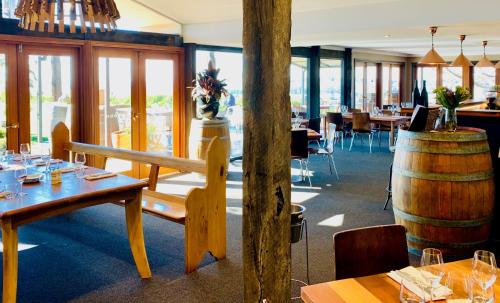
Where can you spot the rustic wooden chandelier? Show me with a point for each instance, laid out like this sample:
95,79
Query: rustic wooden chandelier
45,15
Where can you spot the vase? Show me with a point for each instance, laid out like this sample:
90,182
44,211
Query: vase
450,119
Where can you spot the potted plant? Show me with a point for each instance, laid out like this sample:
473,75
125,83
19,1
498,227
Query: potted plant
208,92
450,100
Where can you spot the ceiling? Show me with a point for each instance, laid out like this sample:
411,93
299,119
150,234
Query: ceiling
394,26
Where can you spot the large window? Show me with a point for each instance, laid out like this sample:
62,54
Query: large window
365,86
484,79
299,94
451,77
8,7
391,84
231,69
330,84
429,75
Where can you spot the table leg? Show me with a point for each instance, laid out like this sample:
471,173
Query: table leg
391,135
10,257
133,213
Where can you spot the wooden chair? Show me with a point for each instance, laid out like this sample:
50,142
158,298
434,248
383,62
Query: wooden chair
361,125
338,120
202,210
369,251
315,124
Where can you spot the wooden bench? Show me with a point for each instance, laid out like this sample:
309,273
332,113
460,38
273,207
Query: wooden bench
202,210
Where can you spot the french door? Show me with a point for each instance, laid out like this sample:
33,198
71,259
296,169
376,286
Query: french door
138,93
365,86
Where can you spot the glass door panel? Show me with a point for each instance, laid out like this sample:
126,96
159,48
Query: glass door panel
3,101
115,108
159,106
371,87
50,98
359,85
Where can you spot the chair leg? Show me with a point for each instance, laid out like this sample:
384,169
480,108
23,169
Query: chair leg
334,167
389,196
307,172
352,140
329,164
342,140
379,134
301,171
370,140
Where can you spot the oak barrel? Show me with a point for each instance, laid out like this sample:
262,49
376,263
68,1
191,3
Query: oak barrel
202,132
443,190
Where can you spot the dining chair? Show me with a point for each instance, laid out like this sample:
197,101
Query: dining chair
369,251
354,110
361,125
315,124
300,151
328,150
338,120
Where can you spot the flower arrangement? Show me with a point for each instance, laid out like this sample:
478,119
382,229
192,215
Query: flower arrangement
208,91
451,99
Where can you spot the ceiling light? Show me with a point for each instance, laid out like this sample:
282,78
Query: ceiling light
484,62
461,60
45,15
387,36
432,56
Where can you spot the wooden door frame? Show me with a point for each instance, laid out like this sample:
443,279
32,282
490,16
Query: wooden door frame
11,106
24,51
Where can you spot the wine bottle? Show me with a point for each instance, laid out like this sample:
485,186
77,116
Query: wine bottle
424,96
416,95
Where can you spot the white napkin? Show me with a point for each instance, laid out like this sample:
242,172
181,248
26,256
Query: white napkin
418,283
98,176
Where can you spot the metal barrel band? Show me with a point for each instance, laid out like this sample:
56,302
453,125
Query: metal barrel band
440,222
479,176
444,137
436,244
461,150
223,138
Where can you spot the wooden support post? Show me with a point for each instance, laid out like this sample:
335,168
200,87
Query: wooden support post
266,156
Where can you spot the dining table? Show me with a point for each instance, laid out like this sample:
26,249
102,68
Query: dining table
42,200
392,121
378,288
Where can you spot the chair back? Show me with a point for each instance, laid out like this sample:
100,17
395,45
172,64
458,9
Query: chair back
331,137
354,110
315,124
299,143
361,122
369,251
386,112
337,119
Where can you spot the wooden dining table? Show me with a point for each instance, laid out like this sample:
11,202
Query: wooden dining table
391,121
374,289
44,200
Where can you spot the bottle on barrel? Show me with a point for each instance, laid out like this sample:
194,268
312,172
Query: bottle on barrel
424,96
416,95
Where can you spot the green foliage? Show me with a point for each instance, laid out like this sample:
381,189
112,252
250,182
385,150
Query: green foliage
451,99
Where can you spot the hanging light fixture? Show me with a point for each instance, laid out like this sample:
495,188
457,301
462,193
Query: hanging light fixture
484,62
432,56
497,66
461,60
45,15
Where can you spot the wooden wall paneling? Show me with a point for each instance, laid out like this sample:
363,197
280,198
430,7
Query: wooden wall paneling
23,93
12,112
189,78
180,96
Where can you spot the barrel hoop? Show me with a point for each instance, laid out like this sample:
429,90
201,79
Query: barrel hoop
459,150
430,243
479,176
212,125
441,222
223,138
444,136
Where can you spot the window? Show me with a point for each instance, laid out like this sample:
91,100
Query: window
299,94
231,69
451,77
365,86
330,84
8,7
429,75
390,84
484,80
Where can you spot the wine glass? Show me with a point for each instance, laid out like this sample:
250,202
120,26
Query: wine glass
20,174
46,157
484,271
459,284
24,149
9,154
433,271
79,161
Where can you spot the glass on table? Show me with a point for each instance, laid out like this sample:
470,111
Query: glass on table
459,284
20,173
432,260
484,269
406,295
24,150
46,157
80,160
479,294
9,155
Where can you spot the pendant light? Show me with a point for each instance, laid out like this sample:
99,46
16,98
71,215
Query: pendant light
461,60
497,66
45,15
432,56
484,62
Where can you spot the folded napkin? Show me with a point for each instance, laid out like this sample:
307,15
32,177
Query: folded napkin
42,163
418,281
4,194
31,157
98,176
65,170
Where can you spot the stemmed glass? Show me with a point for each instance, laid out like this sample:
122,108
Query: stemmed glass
9,154
46,157
432,260
80,161
24,149
484,272
20,174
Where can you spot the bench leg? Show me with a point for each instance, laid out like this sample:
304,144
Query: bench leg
133,214
10,259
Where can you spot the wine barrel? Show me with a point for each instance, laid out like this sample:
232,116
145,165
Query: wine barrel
443,190
202,132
